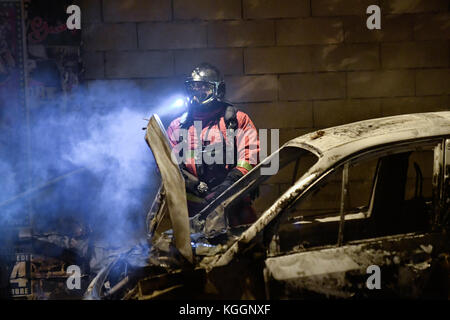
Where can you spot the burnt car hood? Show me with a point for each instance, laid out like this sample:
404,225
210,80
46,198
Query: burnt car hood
169,211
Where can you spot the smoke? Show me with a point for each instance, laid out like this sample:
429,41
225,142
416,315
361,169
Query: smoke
115,154
88,161
9,190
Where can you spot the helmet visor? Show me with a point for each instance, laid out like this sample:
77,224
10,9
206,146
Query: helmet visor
199,91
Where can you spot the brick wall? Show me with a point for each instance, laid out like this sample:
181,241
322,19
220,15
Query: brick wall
296,65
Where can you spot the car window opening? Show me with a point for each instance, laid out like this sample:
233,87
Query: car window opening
385,195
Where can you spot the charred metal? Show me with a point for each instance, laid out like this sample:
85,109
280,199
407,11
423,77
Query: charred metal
293,253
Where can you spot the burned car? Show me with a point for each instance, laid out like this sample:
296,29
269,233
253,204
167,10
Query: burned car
373,194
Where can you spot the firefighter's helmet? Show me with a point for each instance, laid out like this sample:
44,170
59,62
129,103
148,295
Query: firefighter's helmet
204,85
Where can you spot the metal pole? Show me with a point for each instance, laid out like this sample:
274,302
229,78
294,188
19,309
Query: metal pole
344,190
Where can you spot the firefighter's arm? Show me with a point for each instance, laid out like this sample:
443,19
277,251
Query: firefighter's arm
233,176
247,143
171,133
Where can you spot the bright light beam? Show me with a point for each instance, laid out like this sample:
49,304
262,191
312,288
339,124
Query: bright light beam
178,103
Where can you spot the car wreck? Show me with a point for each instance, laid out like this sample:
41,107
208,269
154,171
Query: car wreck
370,193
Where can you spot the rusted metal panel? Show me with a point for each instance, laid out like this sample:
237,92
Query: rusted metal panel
173,183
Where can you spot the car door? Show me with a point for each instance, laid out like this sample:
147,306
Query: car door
170,206
366,228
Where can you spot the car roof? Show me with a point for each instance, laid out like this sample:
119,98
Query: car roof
363,134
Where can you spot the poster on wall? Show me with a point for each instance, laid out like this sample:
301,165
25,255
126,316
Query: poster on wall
19,280
53,65
13,115
53,58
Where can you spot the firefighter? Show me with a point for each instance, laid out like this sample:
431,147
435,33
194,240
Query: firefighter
217,130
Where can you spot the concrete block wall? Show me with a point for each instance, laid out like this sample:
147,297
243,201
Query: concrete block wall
296,65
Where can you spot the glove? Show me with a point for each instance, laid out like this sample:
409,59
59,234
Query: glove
233,176
193,184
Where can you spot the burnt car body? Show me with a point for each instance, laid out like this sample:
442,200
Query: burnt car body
370,193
